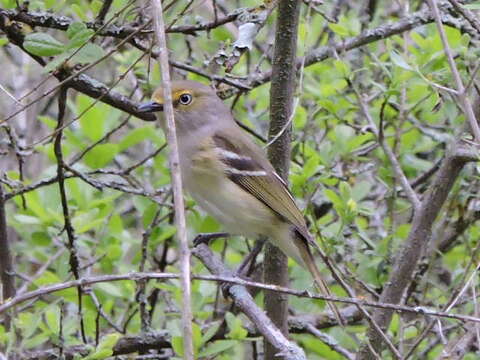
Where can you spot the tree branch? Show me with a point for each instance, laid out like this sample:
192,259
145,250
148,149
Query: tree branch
176,182
82,82
369,36
418,238
275,270
6,263
462,94
136,276
68,228
244,301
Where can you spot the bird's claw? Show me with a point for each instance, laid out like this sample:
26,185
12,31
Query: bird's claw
225,287
206,237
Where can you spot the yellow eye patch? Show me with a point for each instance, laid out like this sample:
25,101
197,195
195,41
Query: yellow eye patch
177,96
178,93
182,98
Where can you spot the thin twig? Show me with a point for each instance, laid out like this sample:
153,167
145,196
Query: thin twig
66,79
176,182
330,342
284,349
136,276
412,196
462,95
7,286
68,227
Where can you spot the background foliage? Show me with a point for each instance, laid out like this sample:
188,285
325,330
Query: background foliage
117,184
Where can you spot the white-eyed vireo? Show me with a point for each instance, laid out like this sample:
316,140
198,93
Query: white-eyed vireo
230,177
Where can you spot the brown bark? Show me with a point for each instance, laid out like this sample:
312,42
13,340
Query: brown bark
281,106
6,263
418,238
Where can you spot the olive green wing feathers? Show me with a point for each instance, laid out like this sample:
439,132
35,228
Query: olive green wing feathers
246,166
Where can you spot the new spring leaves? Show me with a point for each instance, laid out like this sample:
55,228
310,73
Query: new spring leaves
76,50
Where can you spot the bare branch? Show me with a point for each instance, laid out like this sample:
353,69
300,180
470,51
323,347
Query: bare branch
246,304
418,238
397,169
136,276
467,14
125,345
330,342
78,81
74,260
176,182
104,10
275,270
366,37
6,263
461,91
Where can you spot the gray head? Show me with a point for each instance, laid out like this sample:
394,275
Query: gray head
194,104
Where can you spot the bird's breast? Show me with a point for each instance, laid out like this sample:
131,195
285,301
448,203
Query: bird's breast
237,210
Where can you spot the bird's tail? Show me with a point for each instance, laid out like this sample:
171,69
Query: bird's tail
309,262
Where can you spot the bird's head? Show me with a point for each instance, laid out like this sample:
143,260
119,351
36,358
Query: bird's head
194,104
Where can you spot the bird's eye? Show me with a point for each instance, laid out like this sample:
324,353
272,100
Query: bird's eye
185,99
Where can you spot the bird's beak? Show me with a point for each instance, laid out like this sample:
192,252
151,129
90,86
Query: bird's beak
149,107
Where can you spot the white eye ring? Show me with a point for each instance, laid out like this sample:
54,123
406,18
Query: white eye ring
185,99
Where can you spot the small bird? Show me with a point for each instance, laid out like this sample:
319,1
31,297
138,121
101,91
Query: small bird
230,177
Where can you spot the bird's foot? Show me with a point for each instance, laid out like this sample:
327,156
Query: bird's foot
206,237
247,264
225,288
245,268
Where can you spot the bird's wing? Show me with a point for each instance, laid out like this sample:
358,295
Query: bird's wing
256,175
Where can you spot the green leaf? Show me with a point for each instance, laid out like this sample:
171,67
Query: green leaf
135,136
345,190
79,11
310,167
92,122
217,347
342,67
52,319
166,231
88,54
47,120
356,141
42,44
472,6
333,197
86,226
361,190
8,4
50,3
55,63
399,61
196,337
338,29
26,219
3,41
5,336
35,341
41,239
236,327
116,224
212,330
78,33
99,354
105,348
109,341
96,5
301,117
101,155
177,345
111,290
